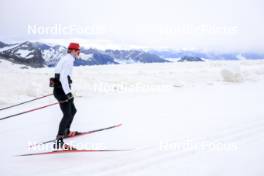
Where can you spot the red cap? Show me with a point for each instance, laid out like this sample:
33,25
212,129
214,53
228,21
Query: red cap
74,46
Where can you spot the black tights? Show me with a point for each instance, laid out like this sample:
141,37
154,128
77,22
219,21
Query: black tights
68,109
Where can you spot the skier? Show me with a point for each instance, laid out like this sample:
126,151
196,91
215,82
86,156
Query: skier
62,92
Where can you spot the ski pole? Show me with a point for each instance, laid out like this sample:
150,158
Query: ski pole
31,110
25,102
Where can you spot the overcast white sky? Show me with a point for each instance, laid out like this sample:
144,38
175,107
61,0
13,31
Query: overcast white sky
178,24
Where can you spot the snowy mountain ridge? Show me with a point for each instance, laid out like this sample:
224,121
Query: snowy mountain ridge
36,54
207,55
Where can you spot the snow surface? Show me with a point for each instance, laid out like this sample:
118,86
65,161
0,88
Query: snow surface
179,119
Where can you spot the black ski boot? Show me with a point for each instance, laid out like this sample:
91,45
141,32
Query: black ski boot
60,145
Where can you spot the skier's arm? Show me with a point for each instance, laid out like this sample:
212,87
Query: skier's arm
64,77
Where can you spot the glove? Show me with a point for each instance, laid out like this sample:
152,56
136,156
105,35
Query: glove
69,96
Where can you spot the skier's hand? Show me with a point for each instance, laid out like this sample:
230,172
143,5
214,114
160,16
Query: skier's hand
69,96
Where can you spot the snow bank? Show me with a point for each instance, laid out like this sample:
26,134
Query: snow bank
232,73
19,84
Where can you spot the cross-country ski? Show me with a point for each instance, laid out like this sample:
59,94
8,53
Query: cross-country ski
71,151
79,134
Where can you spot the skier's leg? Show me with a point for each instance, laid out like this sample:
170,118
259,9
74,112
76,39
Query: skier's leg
65,108
66,119
73,112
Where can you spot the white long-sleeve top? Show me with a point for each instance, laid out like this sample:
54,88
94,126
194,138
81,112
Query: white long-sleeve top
64,68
